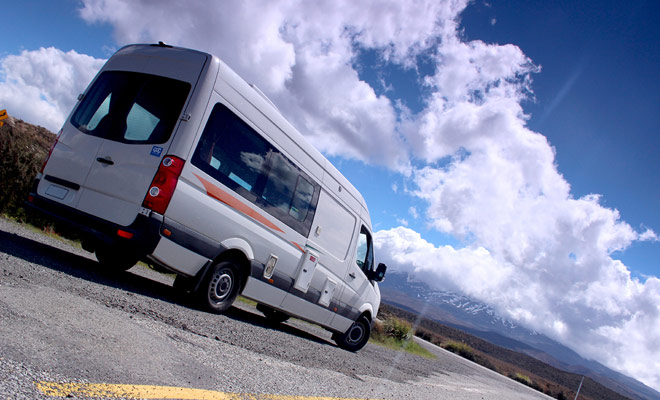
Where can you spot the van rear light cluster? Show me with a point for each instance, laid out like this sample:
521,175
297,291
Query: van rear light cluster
163,185
51,151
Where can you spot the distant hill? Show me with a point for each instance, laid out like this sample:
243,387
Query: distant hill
461,312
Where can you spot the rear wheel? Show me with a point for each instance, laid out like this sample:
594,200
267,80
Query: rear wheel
272,315
356,336
115,258
221,287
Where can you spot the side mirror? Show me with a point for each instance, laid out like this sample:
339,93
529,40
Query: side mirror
379,274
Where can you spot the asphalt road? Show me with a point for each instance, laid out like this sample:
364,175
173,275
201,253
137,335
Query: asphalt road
65,322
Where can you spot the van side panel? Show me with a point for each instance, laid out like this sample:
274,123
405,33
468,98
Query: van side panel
338,188
182,144
332,230
218,213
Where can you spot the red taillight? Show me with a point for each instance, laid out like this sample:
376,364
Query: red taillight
50,151
124,234
162,186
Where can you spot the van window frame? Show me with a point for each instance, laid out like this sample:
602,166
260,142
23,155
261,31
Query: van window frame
115,123
368,262
256,191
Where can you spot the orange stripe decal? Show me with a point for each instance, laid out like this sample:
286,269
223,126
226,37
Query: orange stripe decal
298,246
221,195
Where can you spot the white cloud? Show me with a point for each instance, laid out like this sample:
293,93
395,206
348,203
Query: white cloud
648,236
534,252
41,86
300,53
413,212
548,261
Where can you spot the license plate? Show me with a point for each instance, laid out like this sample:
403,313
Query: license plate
57,192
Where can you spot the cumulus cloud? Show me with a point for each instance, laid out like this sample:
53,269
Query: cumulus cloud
41,85
532,250
300,54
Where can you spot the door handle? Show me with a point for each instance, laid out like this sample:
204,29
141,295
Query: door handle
105,161
352,275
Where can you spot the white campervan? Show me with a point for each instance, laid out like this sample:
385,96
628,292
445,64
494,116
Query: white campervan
170,157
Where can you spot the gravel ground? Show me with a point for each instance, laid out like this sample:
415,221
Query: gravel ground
66,319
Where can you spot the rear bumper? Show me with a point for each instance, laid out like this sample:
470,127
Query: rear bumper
145,230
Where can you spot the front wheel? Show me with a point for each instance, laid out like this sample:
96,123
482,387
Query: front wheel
356,336
221,287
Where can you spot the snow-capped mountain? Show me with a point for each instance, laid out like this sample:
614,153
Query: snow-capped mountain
479,319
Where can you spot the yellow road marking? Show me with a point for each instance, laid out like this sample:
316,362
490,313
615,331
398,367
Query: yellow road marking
106,390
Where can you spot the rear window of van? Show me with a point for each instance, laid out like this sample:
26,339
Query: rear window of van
131,107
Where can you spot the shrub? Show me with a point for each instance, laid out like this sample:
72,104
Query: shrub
396,334
23,148
524,379
461,349
398,329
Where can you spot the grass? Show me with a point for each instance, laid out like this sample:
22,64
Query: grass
461,349
247,301
524,379
396,334
46,230
409,346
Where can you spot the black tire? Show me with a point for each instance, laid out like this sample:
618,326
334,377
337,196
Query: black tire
220,288
272,315
355,337
114,258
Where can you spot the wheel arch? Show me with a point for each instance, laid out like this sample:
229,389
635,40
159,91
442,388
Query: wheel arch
367,310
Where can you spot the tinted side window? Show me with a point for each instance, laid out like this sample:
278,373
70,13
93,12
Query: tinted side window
236,155
131,107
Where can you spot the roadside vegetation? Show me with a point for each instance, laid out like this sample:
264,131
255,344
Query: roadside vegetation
24,148
397,334
461,349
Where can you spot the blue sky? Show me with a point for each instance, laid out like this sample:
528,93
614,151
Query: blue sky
597,100
597,97
445,116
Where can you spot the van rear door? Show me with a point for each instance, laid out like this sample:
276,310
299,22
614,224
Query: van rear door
135,114
110,149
